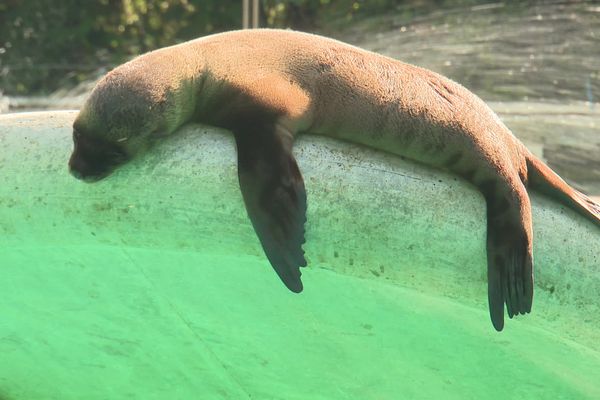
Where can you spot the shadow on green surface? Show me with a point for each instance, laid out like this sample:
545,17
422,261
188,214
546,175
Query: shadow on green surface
4,396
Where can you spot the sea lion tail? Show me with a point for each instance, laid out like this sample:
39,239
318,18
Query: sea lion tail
546,181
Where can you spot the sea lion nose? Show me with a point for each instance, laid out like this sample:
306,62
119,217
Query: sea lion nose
85,170
75,173
80,168
83,176
77,166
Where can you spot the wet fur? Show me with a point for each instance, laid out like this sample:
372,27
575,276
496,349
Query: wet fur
267,86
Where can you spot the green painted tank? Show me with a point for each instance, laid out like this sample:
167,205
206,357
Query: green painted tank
151,284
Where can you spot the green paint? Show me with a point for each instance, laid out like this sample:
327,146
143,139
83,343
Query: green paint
152,285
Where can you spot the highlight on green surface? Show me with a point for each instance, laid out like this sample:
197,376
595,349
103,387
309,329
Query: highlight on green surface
151,284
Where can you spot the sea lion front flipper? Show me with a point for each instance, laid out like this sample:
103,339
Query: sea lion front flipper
275,198
510,256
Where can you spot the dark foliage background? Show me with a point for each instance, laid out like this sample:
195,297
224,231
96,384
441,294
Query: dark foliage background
48,44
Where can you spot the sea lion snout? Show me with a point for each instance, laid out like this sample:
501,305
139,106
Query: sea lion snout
81,170
93,158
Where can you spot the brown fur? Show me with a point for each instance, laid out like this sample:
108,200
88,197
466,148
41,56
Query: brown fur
285,83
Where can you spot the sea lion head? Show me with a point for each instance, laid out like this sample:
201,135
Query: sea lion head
121,118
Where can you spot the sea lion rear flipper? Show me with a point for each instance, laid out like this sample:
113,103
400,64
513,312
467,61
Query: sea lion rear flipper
275,198
510,257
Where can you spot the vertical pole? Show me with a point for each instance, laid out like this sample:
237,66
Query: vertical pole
245,14
255,14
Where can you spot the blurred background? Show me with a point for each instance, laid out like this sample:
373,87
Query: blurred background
537,63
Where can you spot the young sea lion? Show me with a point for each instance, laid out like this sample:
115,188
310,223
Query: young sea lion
266,86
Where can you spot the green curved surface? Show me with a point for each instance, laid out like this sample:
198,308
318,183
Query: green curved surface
152,285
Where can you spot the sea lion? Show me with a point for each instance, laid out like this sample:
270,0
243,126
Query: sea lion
267,86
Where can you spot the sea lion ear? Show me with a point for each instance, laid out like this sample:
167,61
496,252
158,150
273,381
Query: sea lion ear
275,198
